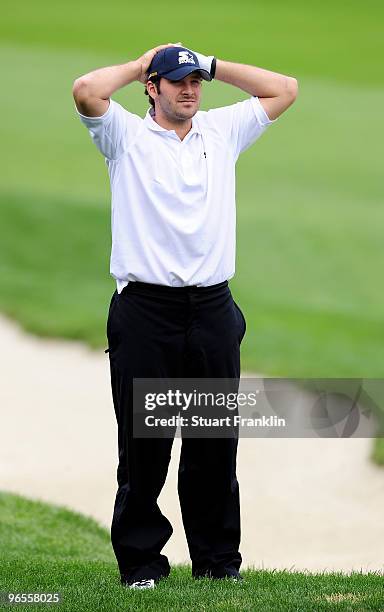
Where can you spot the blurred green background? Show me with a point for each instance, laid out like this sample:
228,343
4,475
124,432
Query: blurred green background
309,192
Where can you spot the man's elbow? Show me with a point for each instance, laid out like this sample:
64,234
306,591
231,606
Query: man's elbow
291,88
80,89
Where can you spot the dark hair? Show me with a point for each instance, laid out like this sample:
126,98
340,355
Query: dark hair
156,82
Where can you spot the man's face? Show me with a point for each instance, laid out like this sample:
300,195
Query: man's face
179,100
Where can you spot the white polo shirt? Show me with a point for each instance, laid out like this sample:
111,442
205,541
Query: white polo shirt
173,201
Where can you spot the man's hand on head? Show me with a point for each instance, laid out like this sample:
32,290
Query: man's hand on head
207,62
145,60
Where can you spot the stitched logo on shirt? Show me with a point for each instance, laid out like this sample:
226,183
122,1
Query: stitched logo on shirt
186,58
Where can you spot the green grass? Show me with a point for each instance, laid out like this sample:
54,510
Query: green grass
377,454
47,548
53,268
342,41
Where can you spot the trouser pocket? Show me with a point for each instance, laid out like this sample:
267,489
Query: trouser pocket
242,322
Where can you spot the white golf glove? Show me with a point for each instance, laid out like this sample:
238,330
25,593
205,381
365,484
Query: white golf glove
207,62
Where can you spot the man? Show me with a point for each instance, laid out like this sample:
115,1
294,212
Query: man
172,179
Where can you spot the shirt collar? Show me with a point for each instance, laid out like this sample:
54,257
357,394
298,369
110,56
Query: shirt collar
152,125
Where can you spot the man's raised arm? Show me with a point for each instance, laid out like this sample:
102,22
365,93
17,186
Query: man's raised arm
276,91
93,90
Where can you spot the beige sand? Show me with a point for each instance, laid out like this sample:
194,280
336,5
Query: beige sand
313,504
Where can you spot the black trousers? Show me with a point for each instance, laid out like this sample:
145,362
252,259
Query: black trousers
156,331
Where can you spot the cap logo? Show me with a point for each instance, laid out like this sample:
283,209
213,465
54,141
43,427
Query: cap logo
186,58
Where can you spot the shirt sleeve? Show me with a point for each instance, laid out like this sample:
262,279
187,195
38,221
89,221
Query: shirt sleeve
241,124
112,132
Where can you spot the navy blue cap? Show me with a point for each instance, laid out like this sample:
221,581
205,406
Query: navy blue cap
175,63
